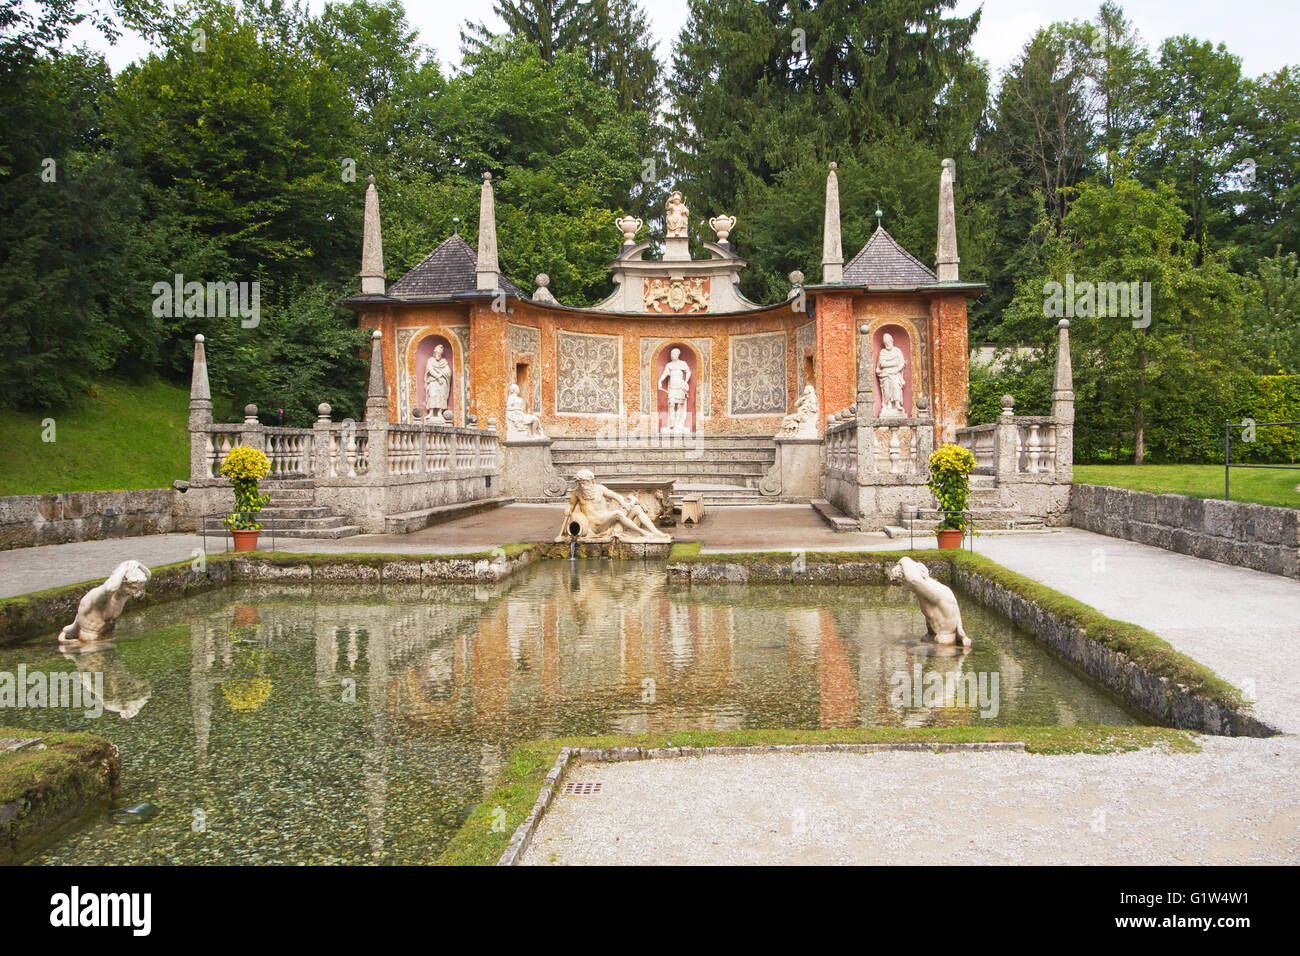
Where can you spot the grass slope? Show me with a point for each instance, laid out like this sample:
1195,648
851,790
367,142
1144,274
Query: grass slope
1260,485
124,436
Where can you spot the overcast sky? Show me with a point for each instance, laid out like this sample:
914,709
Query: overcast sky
1261,32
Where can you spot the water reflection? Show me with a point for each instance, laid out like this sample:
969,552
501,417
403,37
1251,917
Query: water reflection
356,724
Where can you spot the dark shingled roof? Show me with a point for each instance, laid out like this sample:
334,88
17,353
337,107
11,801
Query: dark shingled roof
883,261
451,269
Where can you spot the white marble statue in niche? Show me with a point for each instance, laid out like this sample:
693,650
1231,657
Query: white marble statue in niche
678,376
437,385
890,366
520,423
802,422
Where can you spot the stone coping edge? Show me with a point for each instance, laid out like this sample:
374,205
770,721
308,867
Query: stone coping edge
523,835
29,615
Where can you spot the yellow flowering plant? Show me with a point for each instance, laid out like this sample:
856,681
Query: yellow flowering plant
245,467
950,468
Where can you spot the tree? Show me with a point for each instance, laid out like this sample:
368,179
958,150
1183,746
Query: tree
1197,101
756,87
1160,385
1272,315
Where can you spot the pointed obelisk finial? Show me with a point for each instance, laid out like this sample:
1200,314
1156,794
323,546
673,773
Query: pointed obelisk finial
832,250
377,392
945,254
488,268
372,246
1063,385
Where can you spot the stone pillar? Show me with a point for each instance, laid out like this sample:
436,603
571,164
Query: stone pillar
372,246
200,413
865,396
377,410
832,249
321,441
1063,386
252,433
489,269
945,255
1008,439
951,363
377,391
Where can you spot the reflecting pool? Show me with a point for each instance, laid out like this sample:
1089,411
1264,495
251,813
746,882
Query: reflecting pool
357,724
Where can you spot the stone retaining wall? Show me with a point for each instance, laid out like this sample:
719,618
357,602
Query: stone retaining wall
27,520
44,612
1231,532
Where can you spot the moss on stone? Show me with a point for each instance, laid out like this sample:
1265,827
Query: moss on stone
48,789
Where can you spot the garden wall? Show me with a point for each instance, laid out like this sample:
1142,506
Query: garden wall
27,520
1232,532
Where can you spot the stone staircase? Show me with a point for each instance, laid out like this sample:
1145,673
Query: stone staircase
292,512
725,469
988,511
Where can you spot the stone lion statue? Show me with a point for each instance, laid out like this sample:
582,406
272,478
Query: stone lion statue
102,606
938,603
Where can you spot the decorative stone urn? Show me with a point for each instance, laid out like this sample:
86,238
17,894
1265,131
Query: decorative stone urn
722,225
628,225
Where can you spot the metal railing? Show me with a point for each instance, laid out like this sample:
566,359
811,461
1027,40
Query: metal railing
224,528
1229,464
967,530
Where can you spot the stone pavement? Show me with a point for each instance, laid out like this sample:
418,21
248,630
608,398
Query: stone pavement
1238,802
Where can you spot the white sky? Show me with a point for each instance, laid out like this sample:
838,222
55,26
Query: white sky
1261,32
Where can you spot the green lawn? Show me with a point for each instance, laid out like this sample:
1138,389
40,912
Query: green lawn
1265,486
123,436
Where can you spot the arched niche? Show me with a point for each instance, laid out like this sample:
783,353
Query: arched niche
903,342
661,359
424,348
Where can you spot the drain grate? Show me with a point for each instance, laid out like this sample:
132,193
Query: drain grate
580,788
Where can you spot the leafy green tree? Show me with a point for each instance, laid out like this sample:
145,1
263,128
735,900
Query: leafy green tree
1197,103
1267,174
1272,315
1157,390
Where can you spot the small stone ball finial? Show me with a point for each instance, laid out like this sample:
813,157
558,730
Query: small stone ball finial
324,409
487,176
542,280
377,334
834,166
199,337
1064,323
796,277
250,411
1008,404
446,413
864,329
922,403
371,179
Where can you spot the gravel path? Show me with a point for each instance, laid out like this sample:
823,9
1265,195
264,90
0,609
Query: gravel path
1236,803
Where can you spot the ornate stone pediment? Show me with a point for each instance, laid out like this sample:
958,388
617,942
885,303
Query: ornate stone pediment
677,295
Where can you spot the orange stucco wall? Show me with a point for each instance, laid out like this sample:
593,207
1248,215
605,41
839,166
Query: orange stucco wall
936,324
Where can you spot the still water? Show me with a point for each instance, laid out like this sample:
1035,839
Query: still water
357,724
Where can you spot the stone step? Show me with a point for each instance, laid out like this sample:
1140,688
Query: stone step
294,495
663,455
415,520
342,531
278,484
833,516
284,512
287,526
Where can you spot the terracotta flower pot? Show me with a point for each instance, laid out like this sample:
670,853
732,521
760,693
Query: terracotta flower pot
949,538
245,540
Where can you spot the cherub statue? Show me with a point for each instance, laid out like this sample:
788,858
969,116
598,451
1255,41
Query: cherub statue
102,606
